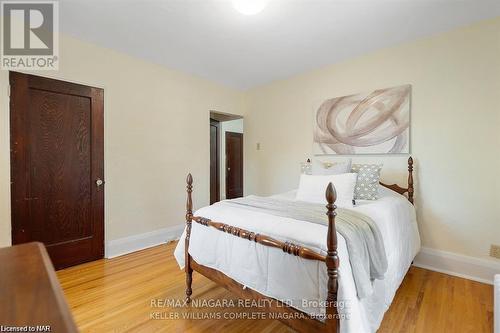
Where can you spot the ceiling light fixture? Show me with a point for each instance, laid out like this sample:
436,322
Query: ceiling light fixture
249,7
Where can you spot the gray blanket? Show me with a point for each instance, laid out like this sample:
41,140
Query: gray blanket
362,236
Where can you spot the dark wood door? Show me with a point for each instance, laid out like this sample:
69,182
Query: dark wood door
234,165
214,162
57,167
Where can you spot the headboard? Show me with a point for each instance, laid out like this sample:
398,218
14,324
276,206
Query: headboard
403,190
395,187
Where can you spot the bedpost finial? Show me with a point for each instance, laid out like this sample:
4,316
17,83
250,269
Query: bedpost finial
331,193
189,201
410,180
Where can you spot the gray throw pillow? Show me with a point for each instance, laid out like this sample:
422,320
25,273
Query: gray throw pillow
367,182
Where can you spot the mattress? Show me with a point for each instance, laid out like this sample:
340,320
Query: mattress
300,282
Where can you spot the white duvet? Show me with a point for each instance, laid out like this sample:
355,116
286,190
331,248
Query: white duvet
276,274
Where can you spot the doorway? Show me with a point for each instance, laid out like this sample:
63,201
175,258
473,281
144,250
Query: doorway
226,156
214,161
57,167
234,165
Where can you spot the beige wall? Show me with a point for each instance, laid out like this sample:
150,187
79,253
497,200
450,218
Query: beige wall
455,130
156,130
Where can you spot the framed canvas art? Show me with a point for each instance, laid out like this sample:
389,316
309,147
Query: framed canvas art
376,122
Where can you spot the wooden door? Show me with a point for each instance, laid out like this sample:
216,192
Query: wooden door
214,162
57,167
234,165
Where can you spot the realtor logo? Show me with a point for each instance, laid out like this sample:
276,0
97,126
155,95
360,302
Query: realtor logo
30,35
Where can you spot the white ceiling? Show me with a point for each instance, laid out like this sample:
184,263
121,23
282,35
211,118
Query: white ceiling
210,39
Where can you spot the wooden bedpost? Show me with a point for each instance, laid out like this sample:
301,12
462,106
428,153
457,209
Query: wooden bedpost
332,263
189,216
410,179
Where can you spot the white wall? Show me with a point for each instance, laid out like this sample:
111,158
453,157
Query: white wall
227,126
155,133
455,130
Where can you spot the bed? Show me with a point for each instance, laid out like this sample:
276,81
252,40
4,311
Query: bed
300,271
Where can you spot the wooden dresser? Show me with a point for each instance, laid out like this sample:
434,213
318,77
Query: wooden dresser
30,292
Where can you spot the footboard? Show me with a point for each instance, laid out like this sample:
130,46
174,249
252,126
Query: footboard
331,323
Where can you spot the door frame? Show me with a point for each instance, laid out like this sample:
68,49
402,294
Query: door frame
18,128
216,124
228,133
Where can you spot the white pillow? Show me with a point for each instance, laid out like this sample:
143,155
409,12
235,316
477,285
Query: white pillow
312,188
331,168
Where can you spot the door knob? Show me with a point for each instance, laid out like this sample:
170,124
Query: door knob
99,182
228,169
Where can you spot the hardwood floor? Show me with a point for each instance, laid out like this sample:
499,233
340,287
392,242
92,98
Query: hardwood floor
125,294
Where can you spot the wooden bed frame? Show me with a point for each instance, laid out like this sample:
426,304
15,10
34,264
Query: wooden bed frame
295,319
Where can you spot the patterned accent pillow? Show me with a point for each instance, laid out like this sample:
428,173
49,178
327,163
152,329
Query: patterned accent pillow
367,182
330,168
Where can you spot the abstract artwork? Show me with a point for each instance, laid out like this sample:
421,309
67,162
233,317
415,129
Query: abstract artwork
377,122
